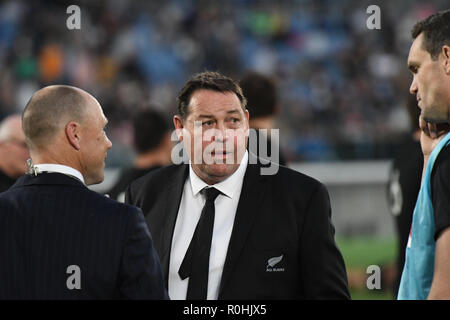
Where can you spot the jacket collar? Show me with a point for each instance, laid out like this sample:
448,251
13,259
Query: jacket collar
50,178
53,167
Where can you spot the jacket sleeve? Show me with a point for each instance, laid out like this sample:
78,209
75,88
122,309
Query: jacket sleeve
140,271
323,273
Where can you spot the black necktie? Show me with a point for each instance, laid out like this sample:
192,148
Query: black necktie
195,264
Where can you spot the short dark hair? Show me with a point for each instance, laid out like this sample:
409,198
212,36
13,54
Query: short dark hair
260,92
149,128
210,81
436,30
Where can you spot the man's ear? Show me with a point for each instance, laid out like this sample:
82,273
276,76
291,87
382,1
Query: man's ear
446,58
178,123
72,131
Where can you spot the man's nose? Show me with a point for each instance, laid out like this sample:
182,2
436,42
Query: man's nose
413,87
109,143
220,132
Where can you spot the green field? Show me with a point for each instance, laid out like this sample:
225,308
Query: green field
361,252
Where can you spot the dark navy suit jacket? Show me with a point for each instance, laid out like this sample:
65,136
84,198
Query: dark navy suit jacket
60,240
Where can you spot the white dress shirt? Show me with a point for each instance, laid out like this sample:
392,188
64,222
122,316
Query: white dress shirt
51,167
191,205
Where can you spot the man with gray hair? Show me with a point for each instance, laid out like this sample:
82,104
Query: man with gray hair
58,239
13,151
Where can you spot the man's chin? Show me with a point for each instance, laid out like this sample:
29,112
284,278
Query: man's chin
219,172
435,120
434,116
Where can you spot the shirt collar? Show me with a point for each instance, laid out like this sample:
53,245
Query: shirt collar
228,186
51,167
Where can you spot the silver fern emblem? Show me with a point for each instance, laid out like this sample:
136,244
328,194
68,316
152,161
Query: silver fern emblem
273,261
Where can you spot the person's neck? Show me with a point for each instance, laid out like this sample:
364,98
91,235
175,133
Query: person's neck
207,179
49,158
151,159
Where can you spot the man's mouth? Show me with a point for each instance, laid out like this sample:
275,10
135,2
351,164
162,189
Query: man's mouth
219,153
418,103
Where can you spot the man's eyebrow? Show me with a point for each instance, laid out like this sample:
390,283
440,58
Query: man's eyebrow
211,116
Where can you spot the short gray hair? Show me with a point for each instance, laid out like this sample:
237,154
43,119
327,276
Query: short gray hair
43,114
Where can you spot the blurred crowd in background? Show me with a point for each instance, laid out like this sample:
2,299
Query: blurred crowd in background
342,87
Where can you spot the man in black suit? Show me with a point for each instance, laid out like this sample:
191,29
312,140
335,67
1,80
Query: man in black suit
58,239
222,227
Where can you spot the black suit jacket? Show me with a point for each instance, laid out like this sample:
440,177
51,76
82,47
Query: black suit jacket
52,221
5,181
286,217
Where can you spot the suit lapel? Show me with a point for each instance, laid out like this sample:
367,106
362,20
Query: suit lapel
172,203
249,205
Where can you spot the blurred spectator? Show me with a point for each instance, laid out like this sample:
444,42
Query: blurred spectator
262,104
336,79
404,184
153,147
13,151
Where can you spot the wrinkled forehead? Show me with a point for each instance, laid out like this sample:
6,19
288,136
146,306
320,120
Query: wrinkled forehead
211,102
